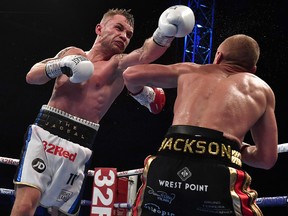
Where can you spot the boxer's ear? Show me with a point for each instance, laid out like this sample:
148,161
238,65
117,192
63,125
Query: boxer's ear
253,70
218,57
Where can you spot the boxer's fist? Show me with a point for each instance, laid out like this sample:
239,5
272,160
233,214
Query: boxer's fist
159,101
152,98
176,21
76,67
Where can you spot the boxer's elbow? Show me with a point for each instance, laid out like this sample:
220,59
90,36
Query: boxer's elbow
29,78
36,79
255,158
270,162
128,75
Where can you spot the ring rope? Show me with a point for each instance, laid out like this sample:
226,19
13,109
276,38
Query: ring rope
10,192
261,202
15,162
282,147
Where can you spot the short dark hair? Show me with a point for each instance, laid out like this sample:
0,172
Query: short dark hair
241,49
124,12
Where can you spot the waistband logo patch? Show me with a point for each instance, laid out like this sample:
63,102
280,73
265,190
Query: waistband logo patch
184,174
38,165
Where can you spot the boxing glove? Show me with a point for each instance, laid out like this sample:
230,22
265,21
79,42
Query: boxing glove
77,67
152,98
176,21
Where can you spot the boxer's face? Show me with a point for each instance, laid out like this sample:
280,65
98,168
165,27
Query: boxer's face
115,33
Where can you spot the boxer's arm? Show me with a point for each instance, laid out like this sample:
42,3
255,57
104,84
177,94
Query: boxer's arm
150,75
176,21
265,136
153,75
37,74
156,75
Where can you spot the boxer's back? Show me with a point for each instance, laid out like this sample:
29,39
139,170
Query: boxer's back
218,98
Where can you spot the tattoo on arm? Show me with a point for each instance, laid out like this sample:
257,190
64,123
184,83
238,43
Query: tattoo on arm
120,56
59,55
140,50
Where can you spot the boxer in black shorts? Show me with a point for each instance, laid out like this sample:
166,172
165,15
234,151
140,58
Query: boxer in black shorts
196,171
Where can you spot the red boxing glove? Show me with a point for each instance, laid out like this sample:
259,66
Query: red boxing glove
152,98
157,105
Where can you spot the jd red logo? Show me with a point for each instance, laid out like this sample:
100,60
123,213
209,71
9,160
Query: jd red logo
38,165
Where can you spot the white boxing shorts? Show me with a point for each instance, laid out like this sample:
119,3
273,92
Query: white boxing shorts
55,158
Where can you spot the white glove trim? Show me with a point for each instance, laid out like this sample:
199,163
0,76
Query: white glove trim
53,69
161,39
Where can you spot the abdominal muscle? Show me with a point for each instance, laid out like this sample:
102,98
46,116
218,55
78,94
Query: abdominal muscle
85,101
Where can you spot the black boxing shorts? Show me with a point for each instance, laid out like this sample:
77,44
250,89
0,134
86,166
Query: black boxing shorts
196,172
